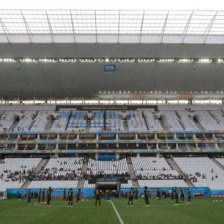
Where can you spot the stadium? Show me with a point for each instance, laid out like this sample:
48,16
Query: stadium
111,115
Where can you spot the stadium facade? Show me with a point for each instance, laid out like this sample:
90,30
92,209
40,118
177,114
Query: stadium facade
142,90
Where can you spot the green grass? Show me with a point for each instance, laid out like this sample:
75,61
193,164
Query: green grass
201,211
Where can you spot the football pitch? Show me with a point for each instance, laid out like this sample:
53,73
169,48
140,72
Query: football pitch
201,211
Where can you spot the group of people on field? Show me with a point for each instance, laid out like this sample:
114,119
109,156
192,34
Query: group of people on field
41,196
67,197
174,195
133,194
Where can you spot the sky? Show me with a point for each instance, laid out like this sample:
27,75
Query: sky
115,4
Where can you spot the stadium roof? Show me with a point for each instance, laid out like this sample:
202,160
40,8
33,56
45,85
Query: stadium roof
111,26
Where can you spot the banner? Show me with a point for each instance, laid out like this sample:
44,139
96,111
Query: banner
109,68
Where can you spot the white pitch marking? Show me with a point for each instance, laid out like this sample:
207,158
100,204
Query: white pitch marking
119,217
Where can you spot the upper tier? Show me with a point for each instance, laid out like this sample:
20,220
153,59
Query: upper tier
48,119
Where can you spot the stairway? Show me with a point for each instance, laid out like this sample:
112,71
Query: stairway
49,124
81,183
200,126
126,128
132,174
217,163
84,170
143,115
25,185
173,165
42,164
69,117
88,123
15,123
104,120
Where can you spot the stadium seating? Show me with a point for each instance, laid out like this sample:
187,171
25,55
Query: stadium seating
162,183
61,122
87,185
107,167
136,121
155,172
186,120
77,121
202,171
153,123
220,160
40,121
97,121
149,163
166,118
26,120
13,171
6,120
54,184
211,120
63,166
171,121
128,185
113,121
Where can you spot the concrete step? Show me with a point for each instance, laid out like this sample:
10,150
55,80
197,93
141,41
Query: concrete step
42,164
200,126
132,174
143,115
25,185
84,170
15,123
49,124
173,165
81,183
84,167
217,163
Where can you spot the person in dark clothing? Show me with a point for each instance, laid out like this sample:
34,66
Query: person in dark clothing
43,196
172,194
136,194
29,197
49,196
78,196
39,196
131,197
97,197
64,195
158,195
146,197
189,196
108,196
182,194
19,196
70,198
177,196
